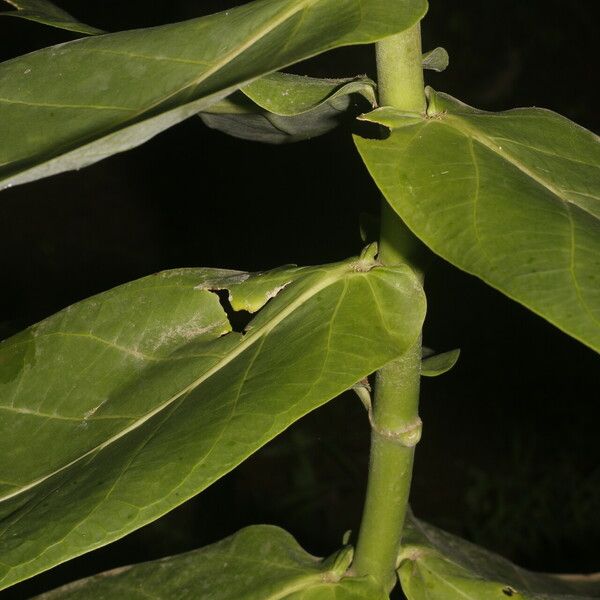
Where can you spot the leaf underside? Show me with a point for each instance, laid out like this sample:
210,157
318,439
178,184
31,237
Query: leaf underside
123,406
71,105
47,13
511,197
435,565
283,108
257,563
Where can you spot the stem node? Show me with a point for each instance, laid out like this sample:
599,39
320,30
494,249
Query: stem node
408,436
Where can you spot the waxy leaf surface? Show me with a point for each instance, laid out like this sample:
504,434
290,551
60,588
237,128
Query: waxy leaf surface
47,13
257,563
511,197
435,565
121,407
282,108
70,105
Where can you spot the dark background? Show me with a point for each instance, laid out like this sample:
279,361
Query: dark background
510,455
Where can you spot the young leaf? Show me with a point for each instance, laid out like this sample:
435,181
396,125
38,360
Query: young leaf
436,60
434,565
47,13
282,108
434,364
257,563
71,105
123,406
512,197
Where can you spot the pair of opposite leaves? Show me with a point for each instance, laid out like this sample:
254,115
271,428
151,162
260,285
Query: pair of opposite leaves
511,197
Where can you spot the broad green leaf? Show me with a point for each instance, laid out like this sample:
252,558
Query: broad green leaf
511,197
282,108
47,13
434,565
71,105
123,406
257,563
434,364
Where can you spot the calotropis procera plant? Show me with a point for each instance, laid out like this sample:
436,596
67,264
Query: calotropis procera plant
123,406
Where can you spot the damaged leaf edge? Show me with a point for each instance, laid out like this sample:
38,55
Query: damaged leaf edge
331,276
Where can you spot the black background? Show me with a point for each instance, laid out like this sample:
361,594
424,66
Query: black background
510,455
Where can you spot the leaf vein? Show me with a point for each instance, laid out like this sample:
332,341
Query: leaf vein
74,106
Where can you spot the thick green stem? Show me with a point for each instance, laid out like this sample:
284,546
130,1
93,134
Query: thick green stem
396,428
395,423
400,71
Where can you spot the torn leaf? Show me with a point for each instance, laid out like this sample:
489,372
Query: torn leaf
121,407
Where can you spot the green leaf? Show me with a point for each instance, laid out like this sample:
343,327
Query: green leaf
434,364
437,59
282,108
123,406
71,105
434,565
511,197
47,13
288,95
257,563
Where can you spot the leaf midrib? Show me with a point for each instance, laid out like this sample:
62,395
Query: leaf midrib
253,335
131,119
474,133
135,118
277,21
463,126
302,582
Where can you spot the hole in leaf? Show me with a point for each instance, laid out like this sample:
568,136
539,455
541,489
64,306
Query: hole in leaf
238,319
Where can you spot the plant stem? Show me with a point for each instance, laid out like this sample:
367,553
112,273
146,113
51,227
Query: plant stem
395,423
400,71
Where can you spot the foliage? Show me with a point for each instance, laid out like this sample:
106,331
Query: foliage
256,563
152,374
435,565
125,405
523,181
